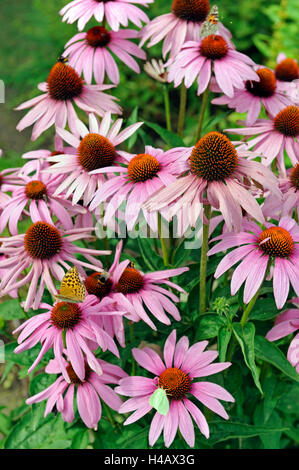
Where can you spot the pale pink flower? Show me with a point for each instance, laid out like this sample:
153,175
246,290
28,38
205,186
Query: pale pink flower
197,59
97,149
117,12
133,290
274,136
82,334
181,25
177,375
257,250
285,324
46,252
35,198
9,181
86,393
253,94
142,176
90,53
217,168
63,87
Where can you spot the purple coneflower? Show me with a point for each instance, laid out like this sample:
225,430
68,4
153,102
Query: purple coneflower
97,149
63,87
142,176
44,250
275,135
181,25
82,334
216,167
90,53
257,250
86,393
253,94
176,376
117,12
197,58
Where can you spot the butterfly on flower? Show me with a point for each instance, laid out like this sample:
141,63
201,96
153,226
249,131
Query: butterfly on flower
72,289
210,25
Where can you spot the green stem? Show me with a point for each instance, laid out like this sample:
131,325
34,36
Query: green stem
167,108
183,101
249,307
204,260
202,112
132,337
113,423
162,241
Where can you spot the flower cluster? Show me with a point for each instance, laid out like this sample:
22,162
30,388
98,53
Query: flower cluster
51,211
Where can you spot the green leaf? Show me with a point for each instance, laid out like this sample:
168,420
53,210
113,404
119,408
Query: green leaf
26,358
40,382
224,336
245,337
80,439
180,254
11,310
150,257
34,431
264,309
5,424
269,352
169,137
222,431
209,326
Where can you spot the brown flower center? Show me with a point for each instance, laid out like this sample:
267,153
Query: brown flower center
98,36
42,241
214,157
265,87
73,376
1,180
98,284
143,167
287,70
294,177
175,382
95,151
214,47
279,243
191,10
287,121
63,82
131,281
35,190
65,315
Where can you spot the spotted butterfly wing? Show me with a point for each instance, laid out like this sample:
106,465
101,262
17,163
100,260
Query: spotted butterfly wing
210,25
159,401
72,288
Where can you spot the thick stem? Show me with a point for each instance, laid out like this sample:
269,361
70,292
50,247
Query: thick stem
132,337
183,101
167,108
202,112
249,307
204,260
162,241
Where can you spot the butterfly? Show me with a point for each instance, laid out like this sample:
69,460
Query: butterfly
72,289
210,25
159,401
103,277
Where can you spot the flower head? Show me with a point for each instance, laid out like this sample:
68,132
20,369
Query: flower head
216,167
82,334
117,12
44,250
181,25
257,250
140,177
63,87
285,324
156,70
96,150
86,393
196,59
177,376
275,135
253,94
90,53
